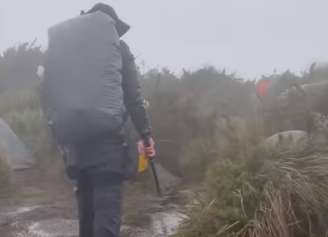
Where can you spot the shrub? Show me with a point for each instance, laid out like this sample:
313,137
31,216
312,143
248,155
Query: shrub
18,66
185,110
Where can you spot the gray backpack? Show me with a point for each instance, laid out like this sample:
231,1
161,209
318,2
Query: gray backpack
83,81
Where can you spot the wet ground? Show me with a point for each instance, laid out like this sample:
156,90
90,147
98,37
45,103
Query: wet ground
49,210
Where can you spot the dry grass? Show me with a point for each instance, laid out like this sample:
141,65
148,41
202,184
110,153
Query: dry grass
267,194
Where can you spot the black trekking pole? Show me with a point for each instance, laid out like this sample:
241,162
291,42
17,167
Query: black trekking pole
153,168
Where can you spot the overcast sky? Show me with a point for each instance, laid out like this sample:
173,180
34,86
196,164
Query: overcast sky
250,37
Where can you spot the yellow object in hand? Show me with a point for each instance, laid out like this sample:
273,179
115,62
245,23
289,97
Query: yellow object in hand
143,163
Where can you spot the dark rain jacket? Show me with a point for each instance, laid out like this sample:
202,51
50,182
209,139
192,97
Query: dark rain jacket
114,153
117,153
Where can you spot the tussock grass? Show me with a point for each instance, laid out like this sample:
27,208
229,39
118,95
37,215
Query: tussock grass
269,193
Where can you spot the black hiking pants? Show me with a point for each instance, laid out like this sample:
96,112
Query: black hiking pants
99,202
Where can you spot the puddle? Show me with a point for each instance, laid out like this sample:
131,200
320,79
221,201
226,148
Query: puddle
163,224
22,210
54,228
166,223
159,218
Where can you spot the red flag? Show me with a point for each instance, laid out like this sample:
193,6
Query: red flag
262,88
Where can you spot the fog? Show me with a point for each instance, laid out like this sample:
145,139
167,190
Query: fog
234,157
251,37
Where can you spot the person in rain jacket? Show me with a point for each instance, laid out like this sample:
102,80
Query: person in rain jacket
102,164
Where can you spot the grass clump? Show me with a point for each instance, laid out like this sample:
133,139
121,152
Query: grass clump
269,193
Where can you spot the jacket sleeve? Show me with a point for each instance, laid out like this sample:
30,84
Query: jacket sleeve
133,98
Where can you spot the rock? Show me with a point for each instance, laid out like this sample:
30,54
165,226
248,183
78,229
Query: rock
12,149
288,140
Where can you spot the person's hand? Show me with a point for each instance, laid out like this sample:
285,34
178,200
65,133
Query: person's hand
148,149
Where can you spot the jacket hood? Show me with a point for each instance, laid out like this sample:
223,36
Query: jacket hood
121,27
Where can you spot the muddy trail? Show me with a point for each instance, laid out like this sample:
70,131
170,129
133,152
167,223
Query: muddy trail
46,208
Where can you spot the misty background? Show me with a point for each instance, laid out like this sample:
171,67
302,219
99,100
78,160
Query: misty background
250,38
256,159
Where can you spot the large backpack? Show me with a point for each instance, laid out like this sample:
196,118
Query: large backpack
83,81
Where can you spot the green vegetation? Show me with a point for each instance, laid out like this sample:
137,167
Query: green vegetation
266,193
20,104
18,66
22,111
191,110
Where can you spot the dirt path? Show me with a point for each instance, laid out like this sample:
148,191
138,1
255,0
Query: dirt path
49,209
